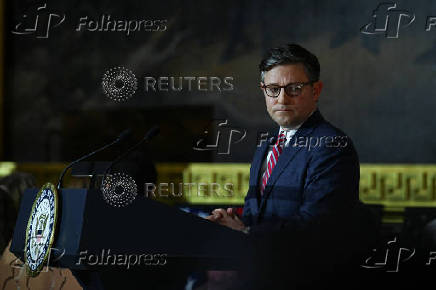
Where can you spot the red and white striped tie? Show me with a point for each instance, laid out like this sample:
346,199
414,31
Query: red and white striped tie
272,160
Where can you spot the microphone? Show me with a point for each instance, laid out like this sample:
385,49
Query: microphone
123,135
126,133
148,136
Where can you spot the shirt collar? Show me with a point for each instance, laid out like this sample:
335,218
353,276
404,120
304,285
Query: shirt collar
291,131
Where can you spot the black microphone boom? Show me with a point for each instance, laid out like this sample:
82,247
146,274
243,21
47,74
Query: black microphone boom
150,134
120,137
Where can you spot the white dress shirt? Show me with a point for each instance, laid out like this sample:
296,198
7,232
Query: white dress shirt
289,132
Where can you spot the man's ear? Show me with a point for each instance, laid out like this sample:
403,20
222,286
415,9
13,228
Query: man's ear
317,88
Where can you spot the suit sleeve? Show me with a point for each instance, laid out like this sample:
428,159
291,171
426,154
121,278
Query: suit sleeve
330,191
246,213
251,196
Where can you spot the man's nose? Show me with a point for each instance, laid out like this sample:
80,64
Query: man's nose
283,98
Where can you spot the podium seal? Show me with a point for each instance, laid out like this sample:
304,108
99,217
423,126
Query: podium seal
41,229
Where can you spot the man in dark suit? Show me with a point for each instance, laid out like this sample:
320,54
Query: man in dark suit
304,183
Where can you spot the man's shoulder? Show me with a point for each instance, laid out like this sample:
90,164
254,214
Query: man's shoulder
326,128
322,127
324,137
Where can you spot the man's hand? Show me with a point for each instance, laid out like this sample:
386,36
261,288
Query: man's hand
227,218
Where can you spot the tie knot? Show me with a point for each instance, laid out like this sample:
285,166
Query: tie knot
281,138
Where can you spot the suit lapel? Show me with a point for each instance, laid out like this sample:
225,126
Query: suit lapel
289,153
260,156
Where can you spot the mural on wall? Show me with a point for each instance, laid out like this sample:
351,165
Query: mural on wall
196,62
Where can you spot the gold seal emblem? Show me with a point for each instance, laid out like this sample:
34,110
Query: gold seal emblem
40,229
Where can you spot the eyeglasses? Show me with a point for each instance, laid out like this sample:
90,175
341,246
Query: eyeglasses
292,89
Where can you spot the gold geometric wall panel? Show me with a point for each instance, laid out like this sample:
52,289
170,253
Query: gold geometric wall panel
392,185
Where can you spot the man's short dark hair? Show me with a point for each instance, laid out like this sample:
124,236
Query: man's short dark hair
291,54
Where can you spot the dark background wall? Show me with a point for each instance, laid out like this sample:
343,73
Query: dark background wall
379,90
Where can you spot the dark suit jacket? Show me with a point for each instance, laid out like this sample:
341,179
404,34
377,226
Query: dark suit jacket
316,176
310,209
